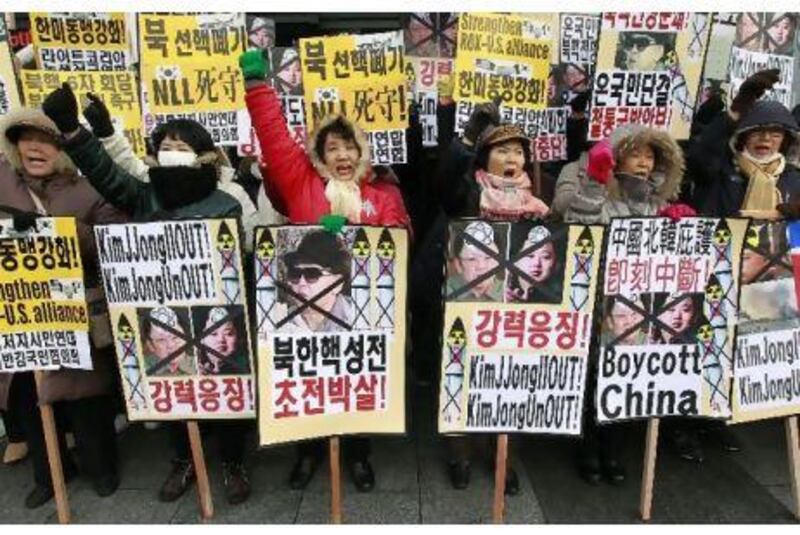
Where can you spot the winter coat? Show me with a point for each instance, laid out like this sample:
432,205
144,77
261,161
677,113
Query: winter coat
64,193
580,199
120,150
138,198
719,186
293,178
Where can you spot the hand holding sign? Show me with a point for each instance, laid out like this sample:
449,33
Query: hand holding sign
253,65
97,115
601,162
62,108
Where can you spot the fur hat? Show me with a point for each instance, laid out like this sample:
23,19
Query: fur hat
16,122
363,169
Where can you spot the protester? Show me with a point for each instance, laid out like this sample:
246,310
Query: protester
333,177
182,185
16,448
180,135
746,161
37,178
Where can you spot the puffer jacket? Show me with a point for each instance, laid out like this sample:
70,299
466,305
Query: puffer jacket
719,185
118,147
579,199
295,179
64,193
135,197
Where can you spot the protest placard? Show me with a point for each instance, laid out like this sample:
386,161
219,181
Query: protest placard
431,35
176,296
331,331
118,90
504,56
287,78
80,41
670,300
44,322
720,43
764,41
648,71
577,55
189,62
9,92
517,327
362,77
766,381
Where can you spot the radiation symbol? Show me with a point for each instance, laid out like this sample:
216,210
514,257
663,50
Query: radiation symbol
714,293
722,237
457,337
265,250
705,333
585,247
225,240
361,249
752,237
385,250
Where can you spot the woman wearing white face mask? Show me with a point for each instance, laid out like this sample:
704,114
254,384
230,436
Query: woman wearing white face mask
179,136
183,184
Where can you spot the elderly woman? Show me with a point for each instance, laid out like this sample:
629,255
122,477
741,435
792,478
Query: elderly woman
38,178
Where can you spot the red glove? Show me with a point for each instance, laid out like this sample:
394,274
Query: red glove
601,162
676,211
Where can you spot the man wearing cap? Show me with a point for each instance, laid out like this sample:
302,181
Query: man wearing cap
319,262
471,263
38,178
164,350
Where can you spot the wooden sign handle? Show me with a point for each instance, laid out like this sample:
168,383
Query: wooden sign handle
201,471
54,457
793,451
649,472
336,481
500,463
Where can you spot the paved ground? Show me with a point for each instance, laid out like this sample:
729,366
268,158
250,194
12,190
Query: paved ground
412,485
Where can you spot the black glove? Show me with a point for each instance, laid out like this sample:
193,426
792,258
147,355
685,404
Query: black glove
24,221
753,89
483,117
97,115
62,107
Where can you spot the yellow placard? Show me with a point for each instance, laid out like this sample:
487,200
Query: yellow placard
85,31
504,56
117,89
360,76
190,62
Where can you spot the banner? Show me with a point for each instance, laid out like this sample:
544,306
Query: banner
331,313
431,35
44,323
766,380
670,295
764,41
190,62
578,35
9,92
287,78
517,326
547,128
715,72
648,71
80,41
118,90
504,56
362,77
176,296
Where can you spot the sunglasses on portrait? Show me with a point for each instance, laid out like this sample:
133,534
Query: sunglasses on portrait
310,274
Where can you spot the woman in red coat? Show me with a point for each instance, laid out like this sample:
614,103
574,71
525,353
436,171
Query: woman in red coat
334,176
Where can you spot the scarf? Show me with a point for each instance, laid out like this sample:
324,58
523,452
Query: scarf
345,199
762,186
179,186
635,188
507,199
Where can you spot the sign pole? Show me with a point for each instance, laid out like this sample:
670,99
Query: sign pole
54,456
793,450
336,482
201,471
500,478
648,474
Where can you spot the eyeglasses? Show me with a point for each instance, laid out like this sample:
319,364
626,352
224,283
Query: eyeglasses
310,274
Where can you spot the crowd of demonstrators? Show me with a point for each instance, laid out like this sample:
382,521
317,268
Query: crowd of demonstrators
743,160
